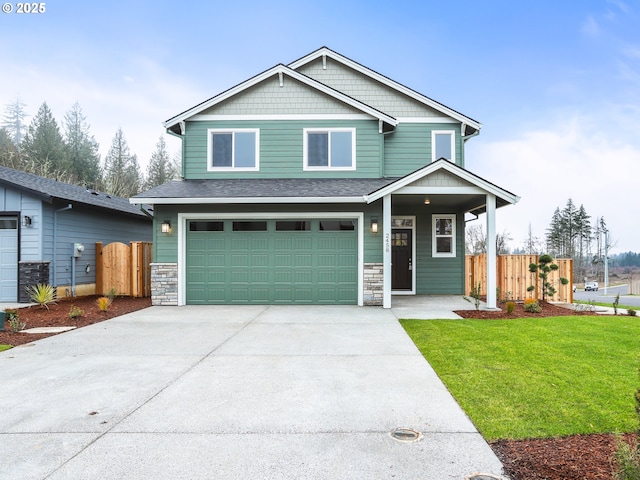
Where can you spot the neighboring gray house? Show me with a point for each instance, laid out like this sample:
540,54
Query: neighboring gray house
42,220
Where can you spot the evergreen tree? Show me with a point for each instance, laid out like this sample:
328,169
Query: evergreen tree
160,169
43,147
583,229
14,121
9,155
81,149
121,169
569,229
554,234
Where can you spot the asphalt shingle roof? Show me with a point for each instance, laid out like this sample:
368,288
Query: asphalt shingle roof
267,187
50,190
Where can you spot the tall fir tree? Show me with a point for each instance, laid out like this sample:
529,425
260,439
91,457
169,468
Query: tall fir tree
9,154
160,169
81,149
42,146
14,121
121,169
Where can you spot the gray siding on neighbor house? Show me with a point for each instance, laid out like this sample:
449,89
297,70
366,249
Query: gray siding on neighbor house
281,148
23,204
88,226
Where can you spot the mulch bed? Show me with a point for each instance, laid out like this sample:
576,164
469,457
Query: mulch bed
57,315
584,457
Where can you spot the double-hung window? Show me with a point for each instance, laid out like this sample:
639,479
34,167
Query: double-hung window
444,236
233,149
330,149
443,145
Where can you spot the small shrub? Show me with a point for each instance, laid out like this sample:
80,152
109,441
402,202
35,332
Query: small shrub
616,302
111,294
532,306
43,294
627,460
103,303
475,294
75,312
631,312
11,315
511,306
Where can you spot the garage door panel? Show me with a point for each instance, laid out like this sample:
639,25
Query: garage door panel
272,266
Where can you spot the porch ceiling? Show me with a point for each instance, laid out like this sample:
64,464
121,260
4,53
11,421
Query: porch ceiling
473,203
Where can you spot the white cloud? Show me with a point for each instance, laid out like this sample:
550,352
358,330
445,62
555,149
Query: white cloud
573,159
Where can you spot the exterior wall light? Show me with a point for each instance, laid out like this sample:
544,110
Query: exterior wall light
26,221
427,201
374,225
166,226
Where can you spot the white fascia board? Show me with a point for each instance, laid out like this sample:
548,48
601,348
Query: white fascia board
245,200
386,81
281,69
471,190
453,169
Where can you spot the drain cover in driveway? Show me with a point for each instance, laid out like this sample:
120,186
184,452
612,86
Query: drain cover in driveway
406,435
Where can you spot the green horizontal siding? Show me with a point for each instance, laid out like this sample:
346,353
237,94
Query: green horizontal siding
408,148
281,148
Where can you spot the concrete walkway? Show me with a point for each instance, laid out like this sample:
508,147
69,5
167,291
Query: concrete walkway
233,392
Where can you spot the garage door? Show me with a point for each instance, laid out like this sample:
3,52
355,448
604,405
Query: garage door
271,261
8,259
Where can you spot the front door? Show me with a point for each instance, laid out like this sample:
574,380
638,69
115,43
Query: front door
401,259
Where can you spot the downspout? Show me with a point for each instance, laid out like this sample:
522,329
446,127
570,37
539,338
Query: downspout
55,240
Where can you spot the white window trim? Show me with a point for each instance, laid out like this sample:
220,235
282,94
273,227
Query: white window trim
306,131
453,144
233,131
434,252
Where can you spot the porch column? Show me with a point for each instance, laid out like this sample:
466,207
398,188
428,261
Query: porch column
386,255
491,252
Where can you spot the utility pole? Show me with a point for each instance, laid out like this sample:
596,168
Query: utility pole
606,260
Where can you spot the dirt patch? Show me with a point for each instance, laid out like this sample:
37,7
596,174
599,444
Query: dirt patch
58,316
548,310
579,457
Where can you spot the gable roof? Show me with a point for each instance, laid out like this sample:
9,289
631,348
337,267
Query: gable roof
280,69
49,190
324,51
472,126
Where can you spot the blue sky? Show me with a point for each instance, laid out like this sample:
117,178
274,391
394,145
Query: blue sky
556,85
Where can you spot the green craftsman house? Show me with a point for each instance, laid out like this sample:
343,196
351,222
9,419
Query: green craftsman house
318,182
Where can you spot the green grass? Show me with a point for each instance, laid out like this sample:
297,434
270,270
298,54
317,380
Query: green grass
5,347
541,377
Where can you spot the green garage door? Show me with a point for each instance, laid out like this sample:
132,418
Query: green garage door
272,261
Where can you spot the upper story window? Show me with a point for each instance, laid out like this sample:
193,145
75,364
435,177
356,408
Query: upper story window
444,236
330,149
443,145
233,149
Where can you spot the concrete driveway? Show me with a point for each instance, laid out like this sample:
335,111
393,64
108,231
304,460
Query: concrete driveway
232,392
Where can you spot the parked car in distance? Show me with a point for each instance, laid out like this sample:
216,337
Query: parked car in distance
591,287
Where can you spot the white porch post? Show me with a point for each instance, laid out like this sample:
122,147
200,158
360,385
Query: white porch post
386,256
491,252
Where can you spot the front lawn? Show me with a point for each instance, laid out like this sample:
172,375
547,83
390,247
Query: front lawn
537,377
5,347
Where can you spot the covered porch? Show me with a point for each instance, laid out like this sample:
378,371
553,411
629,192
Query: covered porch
440,197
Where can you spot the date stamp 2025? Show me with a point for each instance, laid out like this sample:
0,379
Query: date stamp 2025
28,8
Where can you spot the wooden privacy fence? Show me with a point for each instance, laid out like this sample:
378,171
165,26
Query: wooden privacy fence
513,277
127,268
